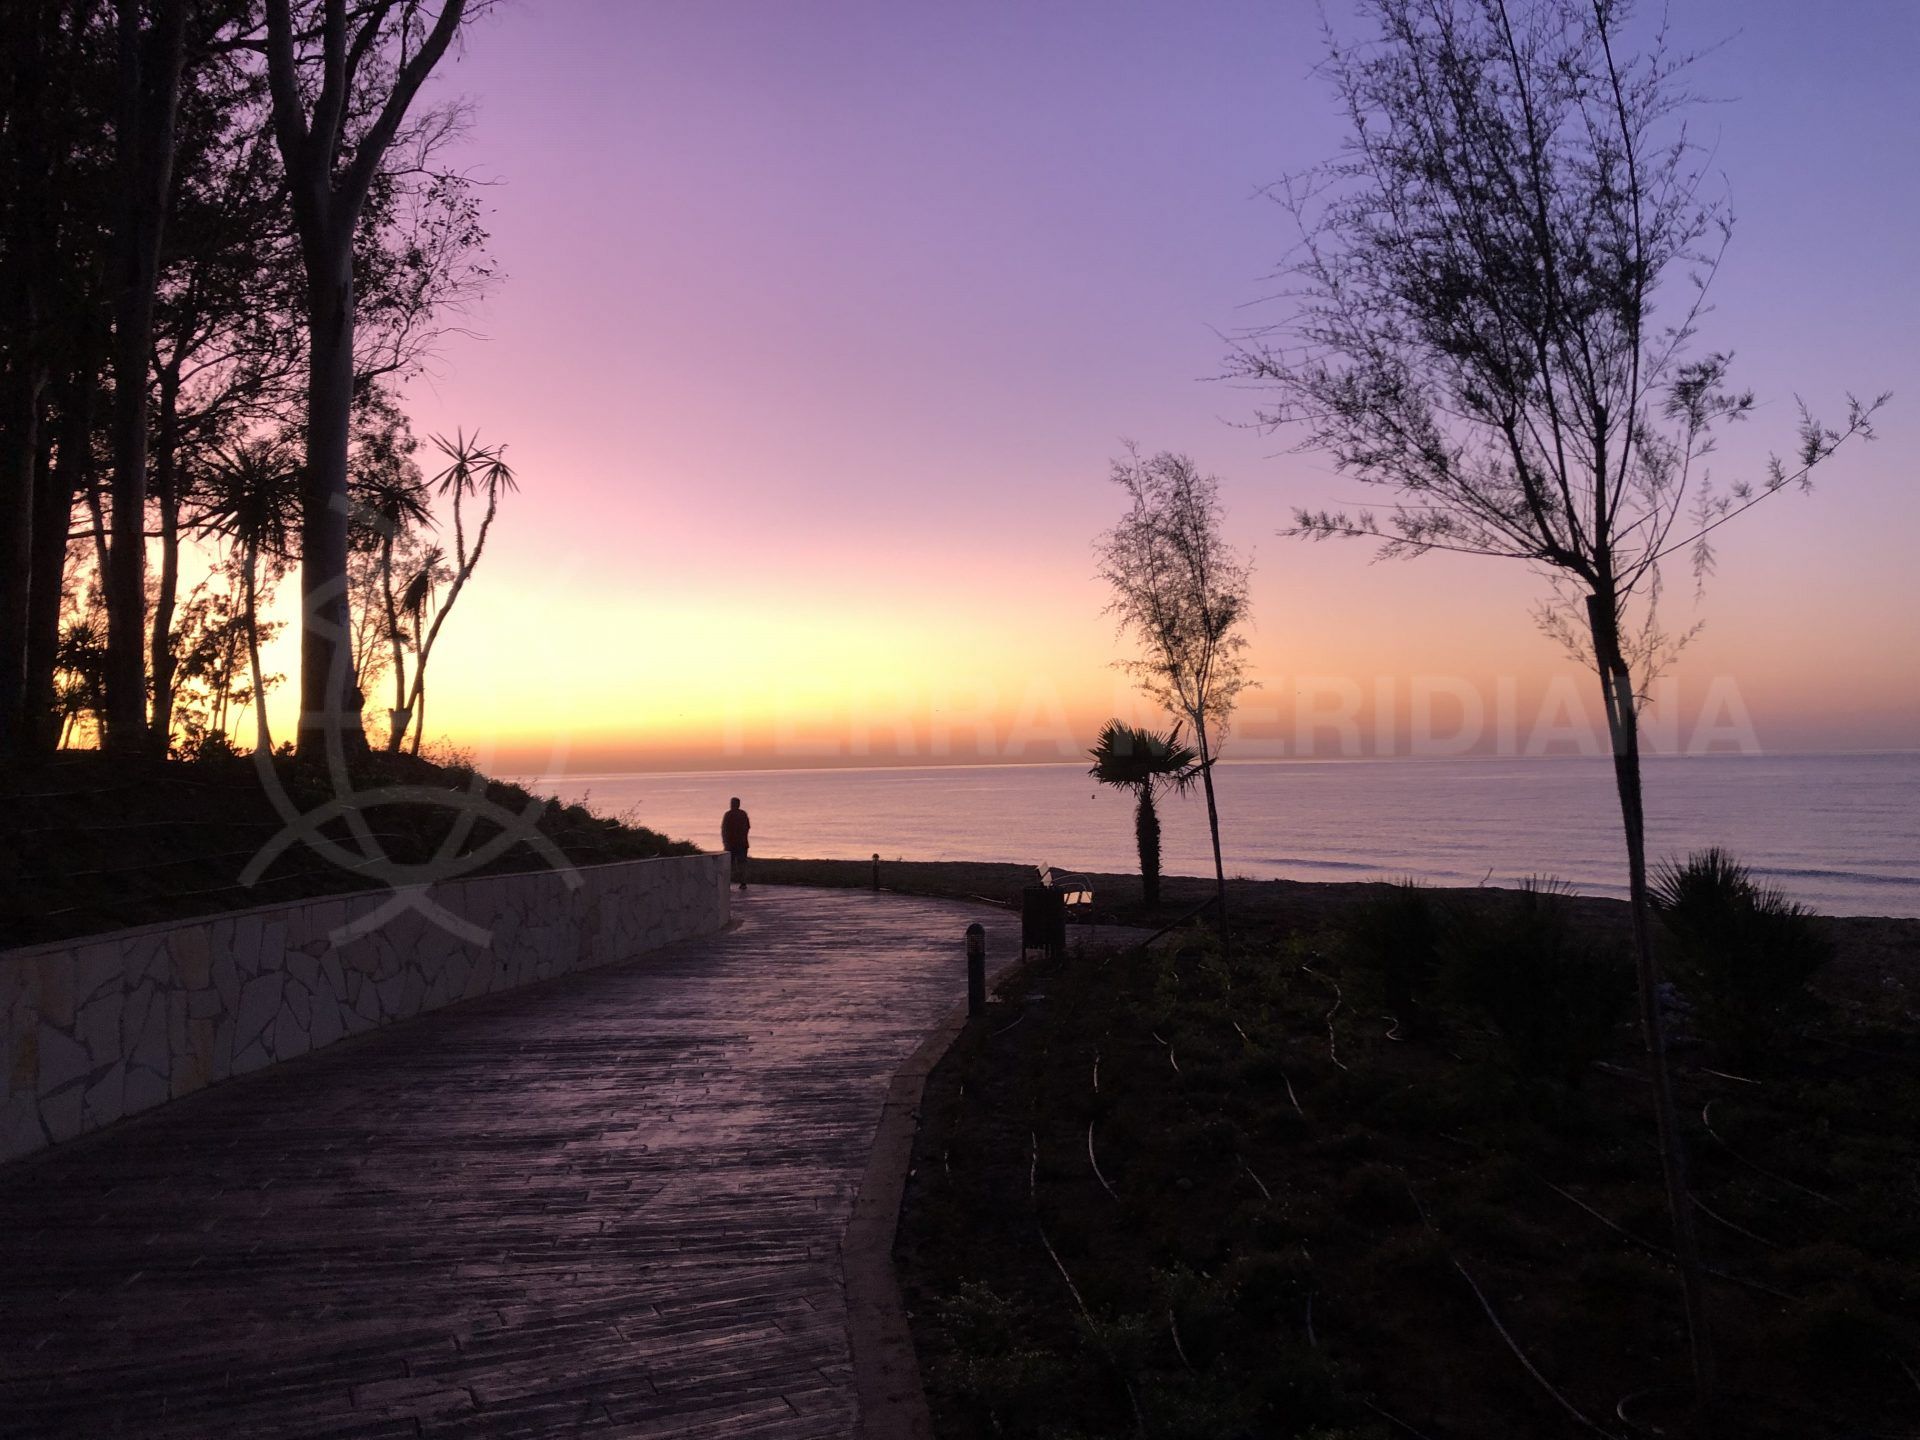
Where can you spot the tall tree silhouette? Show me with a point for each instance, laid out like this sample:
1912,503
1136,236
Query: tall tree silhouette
1474,331
342,79
152,51
56,89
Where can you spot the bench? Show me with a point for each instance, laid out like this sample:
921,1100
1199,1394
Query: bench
1076,891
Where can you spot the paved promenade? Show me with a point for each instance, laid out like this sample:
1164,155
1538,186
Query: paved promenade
607,1206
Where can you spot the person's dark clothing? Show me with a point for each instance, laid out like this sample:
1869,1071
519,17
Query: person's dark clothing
733,834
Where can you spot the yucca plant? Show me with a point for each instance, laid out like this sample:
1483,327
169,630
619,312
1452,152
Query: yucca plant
1144,761
1742,951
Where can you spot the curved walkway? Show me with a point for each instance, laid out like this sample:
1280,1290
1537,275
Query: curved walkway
609,1205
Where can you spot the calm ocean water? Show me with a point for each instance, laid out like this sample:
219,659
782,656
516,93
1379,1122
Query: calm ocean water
1841,832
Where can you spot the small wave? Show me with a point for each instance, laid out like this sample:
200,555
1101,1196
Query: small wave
1853,877
1372,867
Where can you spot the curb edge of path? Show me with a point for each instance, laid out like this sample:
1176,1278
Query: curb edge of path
886,1370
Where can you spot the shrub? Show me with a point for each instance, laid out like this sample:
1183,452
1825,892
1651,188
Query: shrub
1396,941
989,1366
1742,951
1552,996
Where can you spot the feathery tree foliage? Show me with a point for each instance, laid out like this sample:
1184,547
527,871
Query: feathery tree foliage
1493,301
1180,591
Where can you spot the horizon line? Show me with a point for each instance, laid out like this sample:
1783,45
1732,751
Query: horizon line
962,764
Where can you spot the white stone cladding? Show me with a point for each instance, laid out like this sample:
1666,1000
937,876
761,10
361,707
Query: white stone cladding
100,1027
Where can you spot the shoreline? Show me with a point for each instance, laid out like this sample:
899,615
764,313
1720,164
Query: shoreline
913,874
1875,965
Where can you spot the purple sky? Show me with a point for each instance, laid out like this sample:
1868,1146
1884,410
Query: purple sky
823,319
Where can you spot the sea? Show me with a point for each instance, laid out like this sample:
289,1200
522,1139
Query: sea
1838,832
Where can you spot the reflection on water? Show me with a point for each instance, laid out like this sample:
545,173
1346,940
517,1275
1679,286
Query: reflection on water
1841,832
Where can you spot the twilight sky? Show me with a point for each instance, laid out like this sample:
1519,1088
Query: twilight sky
824,317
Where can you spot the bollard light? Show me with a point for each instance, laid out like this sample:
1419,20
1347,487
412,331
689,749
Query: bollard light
976,968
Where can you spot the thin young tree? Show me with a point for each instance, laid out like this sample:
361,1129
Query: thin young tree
475,475
1144,761
392,510
1474,329
342,78
1180,591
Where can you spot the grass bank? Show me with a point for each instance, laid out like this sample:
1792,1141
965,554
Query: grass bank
91,842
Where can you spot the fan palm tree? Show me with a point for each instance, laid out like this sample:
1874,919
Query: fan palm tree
1142,761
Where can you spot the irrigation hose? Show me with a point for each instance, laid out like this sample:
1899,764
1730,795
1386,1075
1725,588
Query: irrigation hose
1339,999
1500,1329
1707,1124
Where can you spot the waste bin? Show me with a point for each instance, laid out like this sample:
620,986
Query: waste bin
1043,920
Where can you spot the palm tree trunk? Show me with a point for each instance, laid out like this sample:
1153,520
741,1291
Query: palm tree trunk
1146,828
1623,725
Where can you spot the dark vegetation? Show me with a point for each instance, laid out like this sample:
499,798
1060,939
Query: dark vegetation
1492,306
1339,1184
92,842
228,233
1742,948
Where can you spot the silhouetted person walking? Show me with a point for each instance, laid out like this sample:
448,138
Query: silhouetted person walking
733,834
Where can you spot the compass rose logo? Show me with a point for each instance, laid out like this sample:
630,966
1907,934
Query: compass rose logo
409,883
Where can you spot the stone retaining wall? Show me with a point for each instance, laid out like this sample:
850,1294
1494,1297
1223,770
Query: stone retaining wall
101,1027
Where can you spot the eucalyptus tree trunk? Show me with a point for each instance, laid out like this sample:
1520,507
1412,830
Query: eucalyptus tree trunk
19,452
328,686
150,65
58,471
1623,725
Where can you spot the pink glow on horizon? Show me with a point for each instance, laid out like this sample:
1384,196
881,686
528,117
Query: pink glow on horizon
821,323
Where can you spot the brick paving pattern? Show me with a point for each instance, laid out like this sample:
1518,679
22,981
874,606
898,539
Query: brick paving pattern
609,1206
